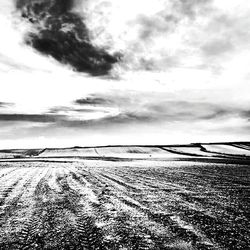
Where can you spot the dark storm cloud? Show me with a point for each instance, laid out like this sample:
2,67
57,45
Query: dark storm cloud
62,34
43,118
52,6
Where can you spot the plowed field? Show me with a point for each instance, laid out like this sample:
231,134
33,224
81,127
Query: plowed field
95,204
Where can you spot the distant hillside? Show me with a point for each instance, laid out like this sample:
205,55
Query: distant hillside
229,150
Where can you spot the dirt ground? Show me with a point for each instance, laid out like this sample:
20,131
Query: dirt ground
95,204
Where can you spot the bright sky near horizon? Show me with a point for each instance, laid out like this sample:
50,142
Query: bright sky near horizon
123,72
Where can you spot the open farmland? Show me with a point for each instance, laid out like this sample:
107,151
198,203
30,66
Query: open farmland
111,203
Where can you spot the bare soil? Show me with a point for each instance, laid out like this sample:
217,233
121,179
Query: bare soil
142,204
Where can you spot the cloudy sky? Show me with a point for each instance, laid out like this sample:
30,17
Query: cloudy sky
96,72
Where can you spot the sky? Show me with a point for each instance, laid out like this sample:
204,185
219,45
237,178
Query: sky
95,72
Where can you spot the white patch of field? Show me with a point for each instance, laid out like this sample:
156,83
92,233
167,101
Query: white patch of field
227,149
5,171
8,180
134,152
69,152
6,155
196,151
180,245
182,223
23,174
117,152
84,189
11,155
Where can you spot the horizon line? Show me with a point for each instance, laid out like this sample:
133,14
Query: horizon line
134,145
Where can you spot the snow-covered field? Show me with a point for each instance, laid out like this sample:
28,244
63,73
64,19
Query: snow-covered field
124,204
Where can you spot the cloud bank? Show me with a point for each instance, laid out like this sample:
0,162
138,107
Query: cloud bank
62,34
111,112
